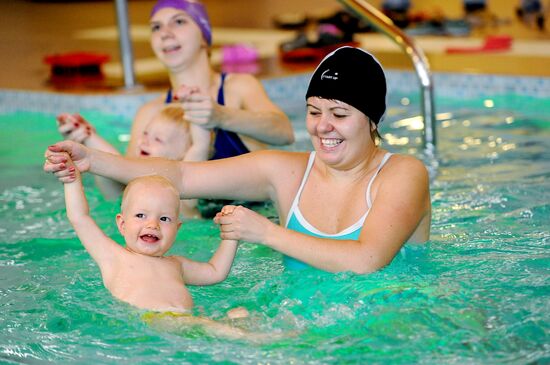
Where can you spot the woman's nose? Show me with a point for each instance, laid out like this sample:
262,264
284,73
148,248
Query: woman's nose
325,123
165,32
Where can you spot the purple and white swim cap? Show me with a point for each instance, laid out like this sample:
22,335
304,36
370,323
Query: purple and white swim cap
194,8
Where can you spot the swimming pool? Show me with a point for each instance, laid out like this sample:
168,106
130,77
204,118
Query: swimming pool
477,293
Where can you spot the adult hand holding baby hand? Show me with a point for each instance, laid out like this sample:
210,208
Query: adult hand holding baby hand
74,127
198,106
58,163
240,223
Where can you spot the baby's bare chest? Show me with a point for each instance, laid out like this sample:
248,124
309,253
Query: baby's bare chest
149,275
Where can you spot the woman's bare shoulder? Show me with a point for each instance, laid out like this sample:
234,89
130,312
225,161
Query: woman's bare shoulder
242,83
152,106
148,110
406,163
240,78
407,167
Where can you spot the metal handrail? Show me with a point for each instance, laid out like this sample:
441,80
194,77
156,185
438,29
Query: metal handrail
126,52
380,21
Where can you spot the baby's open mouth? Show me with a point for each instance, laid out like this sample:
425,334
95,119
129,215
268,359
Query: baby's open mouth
149,238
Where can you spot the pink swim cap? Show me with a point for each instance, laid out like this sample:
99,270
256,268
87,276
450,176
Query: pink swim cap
194,8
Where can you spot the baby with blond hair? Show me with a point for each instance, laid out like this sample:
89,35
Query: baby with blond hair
140,273
167,135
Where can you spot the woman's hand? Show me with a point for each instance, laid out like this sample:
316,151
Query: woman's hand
58,164
240,223
74,127
198,106
74,174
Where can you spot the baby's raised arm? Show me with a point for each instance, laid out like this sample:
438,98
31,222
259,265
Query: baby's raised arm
75,128
200,146
99,246
219,265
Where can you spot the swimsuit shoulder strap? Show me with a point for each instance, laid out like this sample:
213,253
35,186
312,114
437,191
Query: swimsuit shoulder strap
382,163
302,184
221,98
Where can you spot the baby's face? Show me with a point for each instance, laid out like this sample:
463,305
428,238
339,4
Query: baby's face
166,139
149,222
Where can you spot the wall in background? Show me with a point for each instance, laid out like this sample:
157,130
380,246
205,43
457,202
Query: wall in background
260,13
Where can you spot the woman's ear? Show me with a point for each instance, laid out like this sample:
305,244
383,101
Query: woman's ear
120,223
373,125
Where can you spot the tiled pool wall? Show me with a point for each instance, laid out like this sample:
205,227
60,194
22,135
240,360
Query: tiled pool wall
284,91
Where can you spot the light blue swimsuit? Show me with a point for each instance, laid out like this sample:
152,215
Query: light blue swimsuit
297,222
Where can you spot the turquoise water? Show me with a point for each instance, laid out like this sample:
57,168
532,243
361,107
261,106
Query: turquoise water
478,293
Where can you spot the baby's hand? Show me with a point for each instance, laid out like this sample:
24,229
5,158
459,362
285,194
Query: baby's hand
184,92
226,210
242,224
73,172
57,160
199,107
73,127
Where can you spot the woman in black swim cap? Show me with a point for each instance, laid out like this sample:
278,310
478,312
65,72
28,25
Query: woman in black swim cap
349,205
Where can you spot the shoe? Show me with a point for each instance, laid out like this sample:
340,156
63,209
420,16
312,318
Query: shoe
304,49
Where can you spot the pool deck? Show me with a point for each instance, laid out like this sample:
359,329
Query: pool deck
35,29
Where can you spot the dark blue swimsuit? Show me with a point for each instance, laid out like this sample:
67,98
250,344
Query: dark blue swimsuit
226,143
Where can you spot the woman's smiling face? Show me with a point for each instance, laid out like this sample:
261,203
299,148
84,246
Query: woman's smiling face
175,37
339,132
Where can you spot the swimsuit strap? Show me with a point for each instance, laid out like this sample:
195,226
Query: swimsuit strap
221,99
168,99
382,163
294,205
226,143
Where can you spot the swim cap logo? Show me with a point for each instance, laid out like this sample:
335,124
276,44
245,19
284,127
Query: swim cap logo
324,75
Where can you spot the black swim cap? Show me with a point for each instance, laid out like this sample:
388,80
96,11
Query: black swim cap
353,76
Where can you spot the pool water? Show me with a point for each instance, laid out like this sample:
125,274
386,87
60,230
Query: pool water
477,293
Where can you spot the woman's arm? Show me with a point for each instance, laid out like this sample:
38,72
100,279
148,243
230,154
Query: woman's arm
258,117
246,177
248,111
75,128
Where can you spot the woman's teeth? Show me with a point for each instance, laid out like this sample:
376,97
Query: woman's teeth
330,142
171,48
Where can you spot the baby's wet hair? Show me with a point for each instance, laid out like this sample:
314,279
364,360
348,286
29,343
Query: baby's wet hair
175,114
161,181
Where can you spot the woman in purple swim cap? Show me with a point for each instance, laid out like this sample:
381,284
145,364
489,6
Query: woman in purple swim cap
234,106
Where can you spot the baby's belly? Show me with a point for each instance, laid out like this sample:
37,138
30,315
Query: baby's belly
159,296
